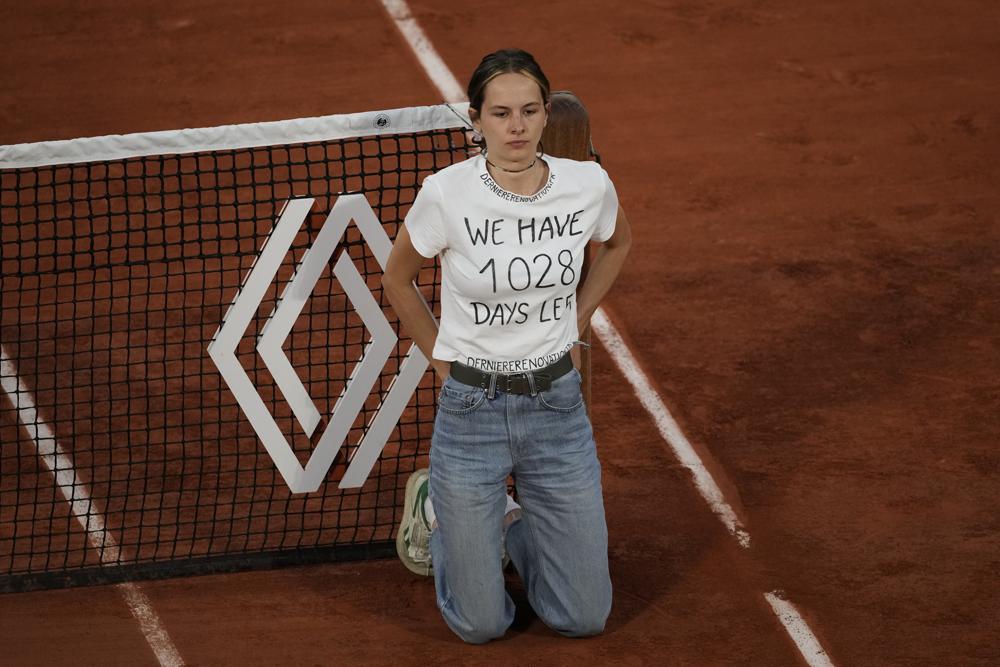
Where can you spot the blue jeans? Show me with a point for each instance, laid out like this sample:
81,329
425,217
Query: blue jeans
560,544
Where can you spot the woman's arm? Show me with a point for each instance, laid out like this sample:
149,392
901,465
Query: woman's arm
603,271
397,281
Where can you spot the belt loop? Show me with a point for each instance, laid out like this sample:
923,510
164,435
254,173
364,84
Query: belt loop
531,383
492,391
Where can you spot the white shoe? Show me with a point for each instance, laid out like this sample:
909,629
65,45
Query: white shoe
413,539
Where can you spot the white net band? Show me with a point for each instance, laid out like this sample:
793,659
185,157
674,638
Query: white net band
229,137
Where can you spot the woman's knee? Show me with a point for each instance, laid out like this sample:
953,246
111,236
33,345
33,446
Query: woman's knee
586,625
481,635
478,631
584,621
478,623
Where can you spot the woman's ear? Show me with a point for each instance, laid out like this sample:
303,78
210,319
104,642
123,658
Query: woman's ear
474,117
548,110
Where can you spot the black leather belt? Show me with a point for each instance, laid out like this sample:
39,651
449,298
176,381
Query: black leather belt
513,383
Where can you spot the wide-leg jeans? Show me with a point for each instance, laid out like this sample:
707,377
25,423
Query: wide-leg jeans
559,546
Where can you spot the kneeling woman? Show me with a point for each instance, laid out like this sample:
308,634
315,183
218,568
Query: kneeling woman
510,226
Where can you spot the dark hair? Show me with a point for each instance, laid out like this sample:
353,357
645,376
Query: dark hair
504,61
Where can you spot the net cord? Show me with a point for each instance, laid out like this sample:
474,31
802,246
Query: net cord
230,137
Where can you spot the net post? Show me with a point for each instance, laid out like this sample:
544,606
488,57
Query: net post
567,135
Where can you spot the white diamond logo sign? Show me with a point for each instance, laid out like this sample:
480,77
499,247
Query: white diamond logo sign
279,325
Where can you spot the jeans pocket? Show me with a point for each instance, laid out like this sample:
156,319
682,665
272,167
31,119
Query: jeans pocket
456,398
565,394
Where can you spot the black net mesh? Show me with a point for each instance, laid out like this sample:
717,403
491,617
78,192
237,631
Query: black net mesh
116,275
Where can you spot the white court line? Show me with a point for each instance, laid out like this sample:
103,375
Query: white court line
76,493
667,426
798,630
436,68
791,620
794,624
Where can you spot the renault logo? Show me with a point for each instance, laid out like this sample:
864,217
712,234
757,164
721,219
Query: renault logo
278,326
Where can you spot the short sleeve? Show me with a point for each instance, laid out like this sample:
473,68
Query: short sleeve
424,220
608,216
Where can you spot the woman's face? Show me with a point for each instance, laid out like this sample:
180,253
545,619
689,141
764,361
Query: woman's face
512,118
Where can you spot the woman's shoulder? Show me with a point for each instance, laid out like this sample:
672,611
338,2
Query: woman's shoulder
578,175
456,171
446,181
588,171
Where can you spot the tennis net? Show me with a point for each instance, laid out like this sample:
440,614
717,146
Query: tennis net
199,369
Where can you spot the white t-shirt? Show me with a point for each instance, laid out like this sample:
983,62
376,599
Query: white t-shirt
510,263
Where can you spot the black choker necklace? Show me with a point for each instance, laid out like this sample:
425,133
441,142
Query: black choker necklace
511,171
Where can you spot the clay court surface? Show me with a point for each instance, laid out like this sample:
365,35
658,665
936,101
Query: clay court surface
813,292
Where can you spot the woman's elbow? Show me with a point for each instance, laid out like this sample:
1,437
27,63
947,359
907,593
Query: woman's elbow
394,284
389,284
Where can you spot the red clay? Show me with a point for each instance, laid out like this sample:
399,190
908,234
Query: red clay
813,188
